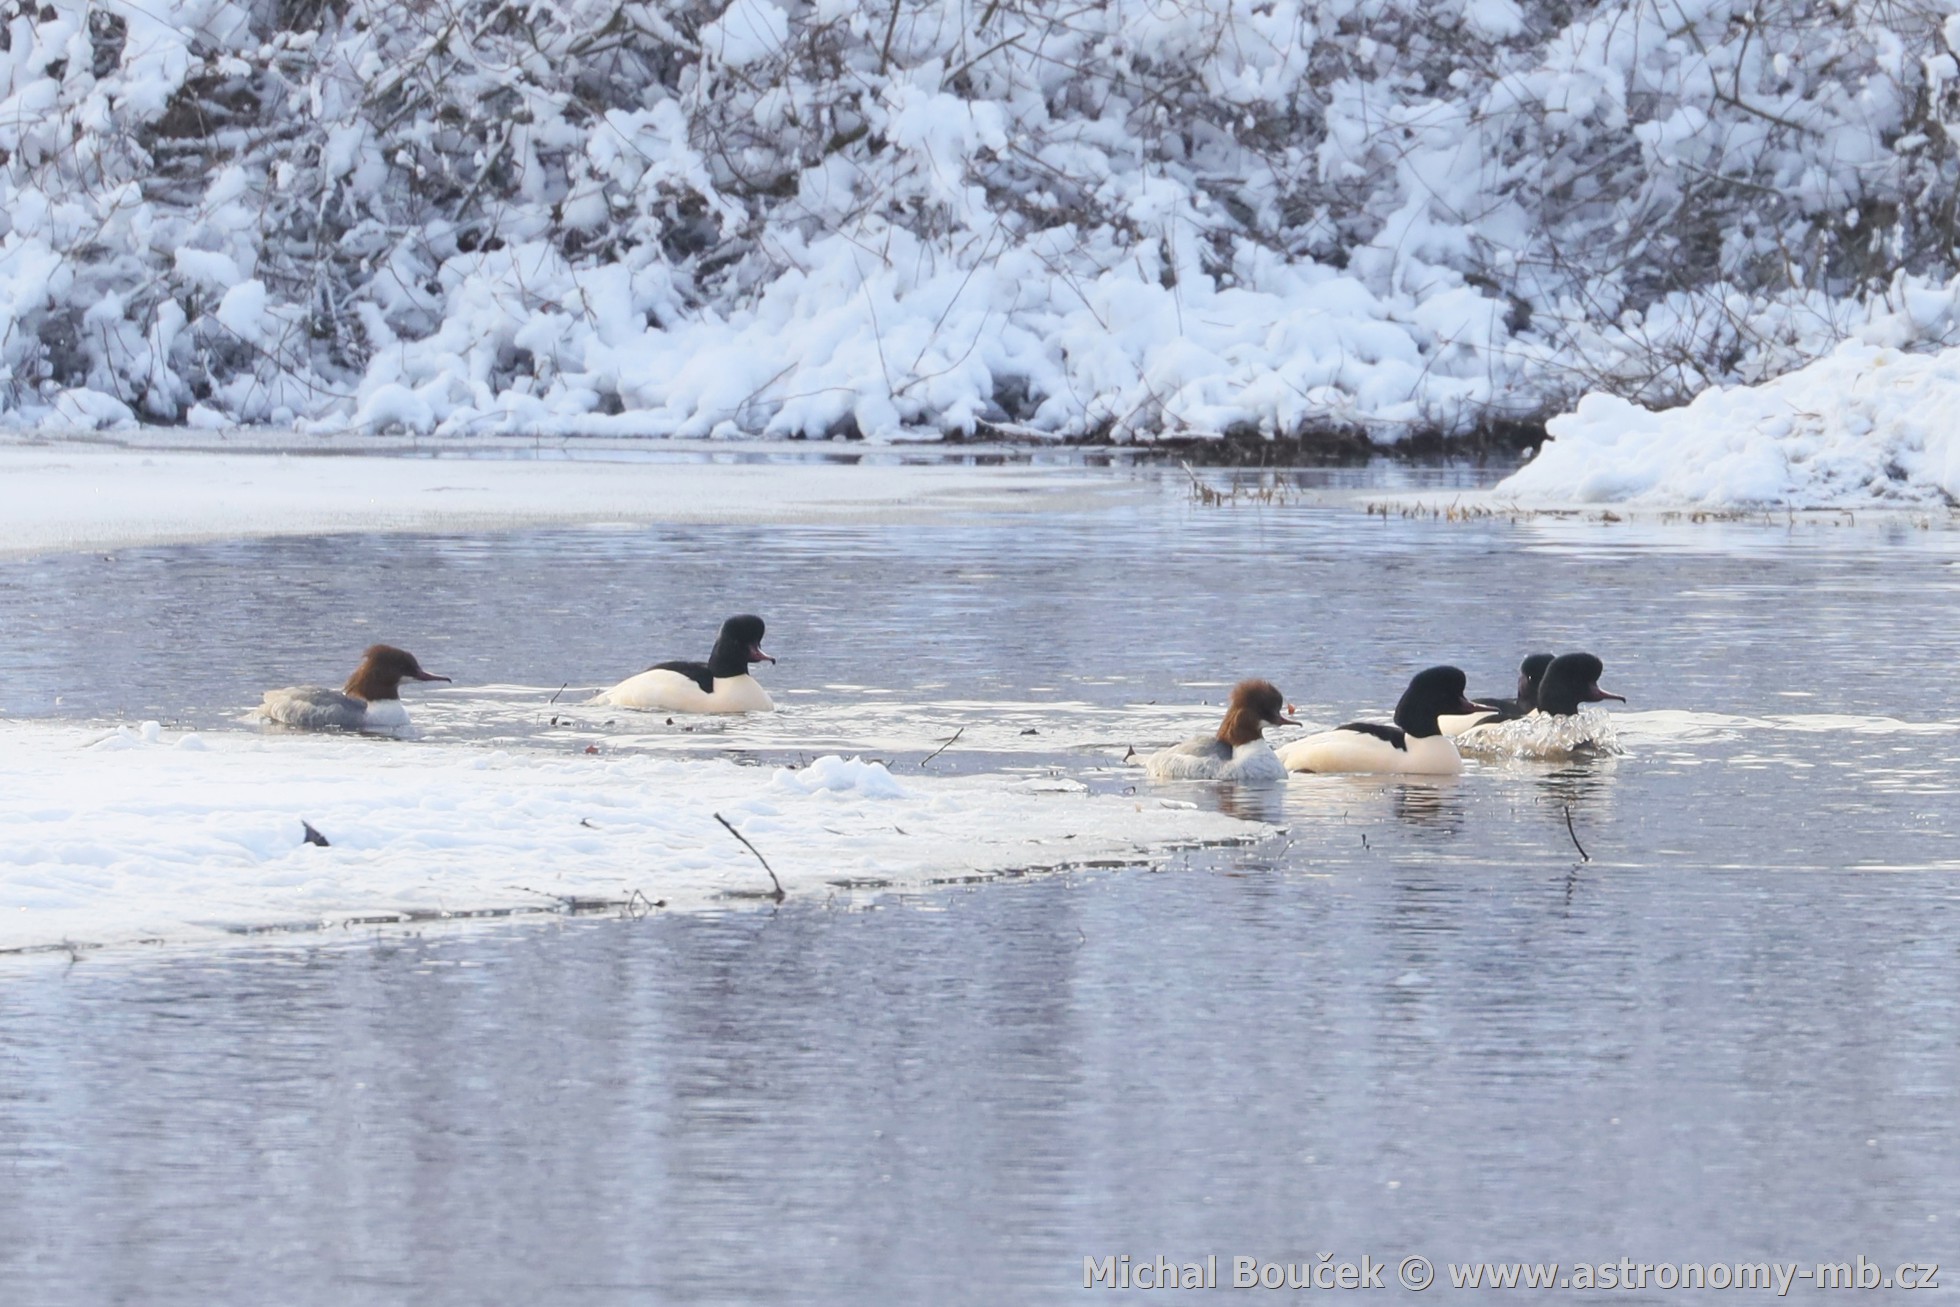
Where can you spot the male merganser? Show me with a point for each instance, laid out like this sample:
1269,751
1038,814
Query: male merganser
1238,752
1571,680
1415,744
370,701
1556,729
1491,709
720,685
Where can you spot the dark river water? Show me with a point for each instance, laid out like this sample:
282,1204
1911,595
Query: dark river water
1420,1023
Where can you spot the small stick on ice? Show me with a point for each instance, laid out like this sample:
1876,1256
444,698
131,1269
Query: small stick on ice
1575,835
779,895
942,748
554,698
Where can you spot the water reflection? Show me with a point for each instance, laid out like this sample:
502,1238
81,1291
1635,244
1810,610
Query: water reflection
1579,782
1431,802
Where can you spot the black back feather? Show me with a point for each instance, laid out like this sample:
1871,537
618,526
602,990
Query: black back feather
1395,735
695,672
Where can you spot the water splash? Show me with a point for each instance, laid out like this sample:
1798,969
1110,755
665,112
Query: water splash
1544,736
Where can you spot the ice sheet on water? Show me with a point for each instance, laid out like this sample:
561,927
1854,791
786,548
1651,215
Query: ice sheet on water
133,833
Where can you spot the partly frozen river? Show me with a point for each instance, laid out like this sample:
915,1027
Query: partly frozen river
1418,1024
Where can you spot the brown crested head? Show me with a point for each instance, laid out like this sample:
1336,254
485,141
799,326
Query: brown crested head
1253,707
383,669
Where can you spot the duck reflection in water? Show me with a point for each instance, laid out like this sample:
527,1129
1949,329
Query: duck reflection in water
1434,804
1428,802
1265,803
1583,781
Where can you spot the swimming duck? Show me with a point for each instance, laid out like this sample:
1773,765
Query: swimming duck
1415,744
370,701
1491,709
720,685
1572,679
1238,751
1556,729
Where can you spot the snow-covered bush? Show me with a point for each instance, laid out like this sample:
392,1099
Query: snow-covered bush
1074,217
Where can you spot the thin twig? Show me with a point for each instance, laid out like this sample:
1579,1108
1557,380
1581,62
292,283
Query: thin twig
1575,835
554,698
942,748
891,30
779,895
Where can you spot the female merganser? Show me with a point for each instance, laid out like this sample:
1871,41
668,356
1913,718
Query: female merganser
1571,680
1491,709
370,701
720,685
1415,744
1238,752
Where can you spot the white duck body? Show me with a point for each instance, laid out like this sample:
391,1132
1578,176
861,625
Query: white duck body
1345,749
1208,758
1414,746
663,690
1455,724
720,685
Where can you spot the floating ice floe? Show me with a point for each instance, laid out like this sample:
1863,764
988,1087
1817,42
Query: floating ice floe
138,834
80,496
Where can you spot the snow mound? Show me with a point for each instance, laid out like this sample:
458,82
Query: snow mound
841,777
156,838
1864,427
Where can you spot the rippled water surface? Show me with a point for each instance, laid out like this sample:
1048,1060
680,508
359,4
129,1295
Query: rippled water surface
1422,1022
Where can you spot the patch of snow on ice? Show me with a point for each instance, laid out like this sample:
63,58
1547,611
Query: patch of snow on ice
832,774
73,496
146,837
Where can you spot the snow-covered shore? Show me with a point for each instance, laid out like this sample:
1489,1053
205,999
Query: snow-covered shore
127,834
1865,427
709,217
79,496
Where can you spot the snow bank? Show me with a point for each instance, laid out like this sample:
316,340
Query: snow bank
758,217
143,834
72,497
1866,427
